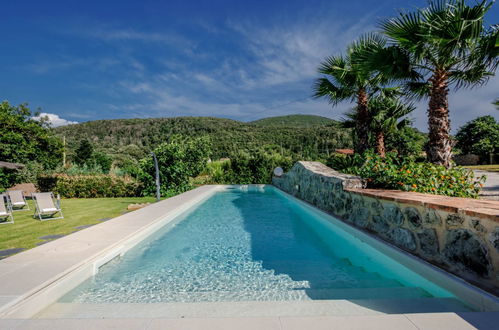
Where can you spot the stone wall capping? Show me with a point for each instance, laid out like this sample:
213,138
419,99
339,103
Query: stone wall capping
472,207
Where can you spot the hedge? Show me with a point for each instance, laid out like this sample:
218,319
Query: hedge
90,186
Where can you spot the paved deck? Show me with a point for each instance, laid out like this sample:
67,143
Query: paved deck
437,321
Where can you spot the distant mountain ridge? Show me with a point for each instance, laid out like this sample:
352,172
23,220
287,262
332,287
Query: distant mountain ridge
294,121
305,135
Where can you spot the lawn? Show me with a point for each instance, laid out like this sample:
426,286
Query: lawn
25,232
490,168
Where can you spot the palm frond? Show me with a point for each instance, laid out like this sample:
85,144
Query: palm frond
323,87
405,29
474,76
417,89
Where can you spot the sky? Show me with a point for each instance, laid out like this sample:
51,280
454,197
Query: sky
81,60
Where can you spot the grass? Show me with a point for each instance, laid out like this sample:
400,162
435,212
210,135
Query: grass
490,168
25,231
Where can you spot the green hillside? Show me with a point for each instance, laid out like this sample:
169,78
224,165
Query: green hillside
294,121
290,134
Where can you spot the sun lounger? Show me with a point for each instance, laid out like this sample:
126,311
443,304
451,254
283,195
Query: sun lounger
46,206
18,200
5,210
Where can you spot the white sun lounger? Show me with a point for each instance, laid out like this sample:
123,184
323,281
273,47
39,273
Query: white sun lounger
46,206
18,200
5,210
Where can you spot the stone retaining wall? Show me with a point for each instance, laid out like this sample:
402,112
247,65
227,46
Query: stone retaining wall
459,235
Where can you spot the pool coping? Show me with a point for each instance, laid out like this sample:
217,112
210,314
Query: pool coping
32,280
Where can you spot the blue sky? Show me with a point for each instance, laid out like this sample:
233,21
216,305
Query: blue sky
88,60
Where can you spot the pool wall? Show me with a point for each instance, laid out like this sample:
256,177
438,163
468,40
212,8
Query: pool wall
455,234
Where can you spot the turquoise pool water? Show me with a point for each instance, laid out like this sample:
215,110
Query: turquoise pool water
252,246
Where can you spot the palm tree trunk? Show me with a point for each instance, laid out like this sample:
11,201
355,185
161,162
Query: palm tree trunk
439,150
362,124
380,143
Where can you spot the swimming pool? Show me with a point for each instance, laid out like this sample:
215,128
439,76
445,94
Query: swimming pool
255,245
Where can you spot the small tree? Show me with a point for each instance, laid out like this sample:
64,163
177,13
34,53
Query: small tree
178,161
102,160
481,137
84,152
23,139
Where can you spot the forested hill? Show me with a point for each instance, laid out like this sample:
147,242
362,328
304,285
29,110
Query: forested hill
294,121
307,136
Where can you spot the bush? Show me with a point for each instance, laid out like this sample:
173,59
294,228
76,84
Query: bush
340,162
178,161
89,186
394,172
8,178
24,139
244,168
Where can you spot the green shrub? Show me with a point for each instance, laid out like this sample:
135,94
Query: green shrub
24,139
8,178
393,172
89,186
340,162
178,161
244,168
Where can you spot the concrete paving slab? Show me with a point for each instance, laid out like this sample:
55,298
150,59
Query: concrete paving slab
84,226
439,321
9,324
103,219
32,275
216,324
78,324
378,322
7,252
52,236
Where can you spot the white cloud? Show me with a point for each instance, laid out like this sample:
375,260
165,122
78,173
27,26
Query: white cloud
291,52
54,120
168,38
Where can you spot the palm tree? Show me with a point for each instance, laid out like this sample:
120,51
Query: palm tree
446,43
387,116
345,80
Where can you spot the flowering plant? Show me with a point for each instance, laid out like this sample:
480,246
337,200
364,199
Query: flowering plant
403,173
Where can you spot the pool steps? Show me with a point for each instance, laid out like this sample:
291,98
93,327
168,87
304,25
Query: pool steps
254,309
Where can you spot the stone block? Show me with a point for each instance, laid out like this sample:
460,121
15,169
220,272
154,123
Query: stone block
467,252
392,214
403,238
413,217
428,242
432,217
